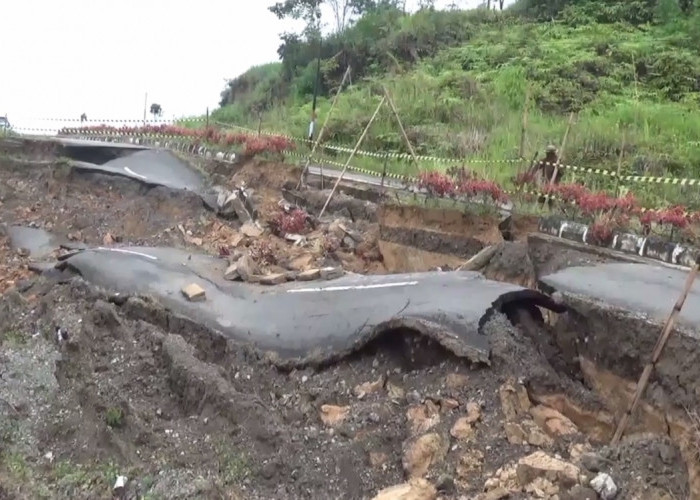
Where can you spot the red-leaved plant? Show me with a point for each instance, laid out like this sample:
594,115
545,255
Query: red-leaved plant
252,144
293,221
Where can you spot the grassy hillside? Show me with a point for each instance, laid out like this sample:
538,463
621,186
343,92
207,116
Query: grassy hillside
461,78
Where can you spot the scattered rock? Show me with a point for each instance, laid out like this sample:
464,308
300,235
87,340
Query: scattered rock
469,463
515,401
194,293
604,485
541,465
234,205
309,275
244,268
330,273
396,393
423,417
107,239
577,450
332,415
462,429
420,454
541,488
526,432
447,404
505,478
231,273
302,263
273,279
473,412
415,489
552,422
515,434
361,390
251,230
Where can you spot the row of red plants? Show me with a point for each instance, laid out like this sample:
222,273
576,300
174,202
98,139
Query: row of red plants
598,207
439,184
252,144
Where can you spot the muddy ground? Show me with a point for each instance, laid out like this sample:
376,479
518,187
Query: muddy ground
127,395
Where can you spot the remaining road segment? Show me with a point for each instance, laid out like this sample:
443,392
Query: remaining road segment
308,322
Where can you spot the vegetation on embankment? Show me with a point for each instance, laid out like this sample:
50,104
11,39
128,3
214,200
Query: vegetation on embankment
460,80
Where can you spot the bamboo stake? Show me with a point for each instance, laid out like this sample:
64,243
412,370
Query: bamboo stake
403,130
323,129
523,126
619,166
656,353
561,148
347,163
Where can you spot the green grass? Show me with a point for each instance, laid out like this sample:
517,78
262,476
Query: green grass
465,96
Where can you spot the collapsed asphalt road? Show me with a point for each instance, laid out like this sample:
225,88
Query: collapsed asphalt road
312,322
649,289
150,166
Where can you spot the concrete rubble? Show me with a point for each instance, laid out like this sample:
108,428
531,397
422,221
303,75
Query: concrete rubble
237,203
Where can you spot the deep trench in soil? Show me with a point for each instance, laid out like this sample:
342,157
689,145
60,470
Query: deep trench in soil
153,374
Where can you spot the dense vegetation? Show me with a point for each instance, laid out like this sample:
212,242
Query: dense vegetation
461,80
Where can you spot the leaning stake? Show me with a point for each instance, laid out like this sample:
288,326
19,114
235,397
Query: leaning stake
347,163
656,353
323,129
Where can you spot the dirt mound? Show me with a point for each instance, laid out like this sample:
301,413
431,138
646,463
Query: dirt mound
120,396
511,263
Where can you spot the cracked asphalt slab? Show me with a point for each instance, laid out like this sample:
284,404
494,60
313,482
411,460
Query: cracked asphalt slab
646,288
152,167
309,322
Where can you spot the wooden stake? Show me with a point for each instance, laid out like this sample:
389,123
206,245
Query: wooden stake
347,163
619,166
323,129
523,129
403,130
561,148
656,353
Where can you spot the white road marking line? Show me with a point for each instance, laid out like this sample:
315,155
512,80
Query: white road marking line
129,171
132,252
351,287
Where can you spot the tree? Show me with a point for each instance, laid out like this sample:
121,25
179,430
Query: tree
156,110
310,11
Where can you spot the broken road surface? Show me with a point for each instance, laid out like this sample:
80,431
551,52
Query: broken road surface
312,321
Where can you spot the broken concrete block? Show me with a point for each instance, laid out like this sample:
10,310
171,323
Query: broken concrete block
539,464
234,205
251,230
231,273
302,263
244,268
330,273
194,293
273,279
309,275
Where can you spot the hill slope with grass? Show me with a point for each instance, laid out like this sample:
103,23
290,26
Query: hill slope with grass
462,79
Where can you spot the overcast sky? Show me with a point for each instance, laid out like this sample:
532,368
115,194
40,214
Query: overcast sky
62,58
